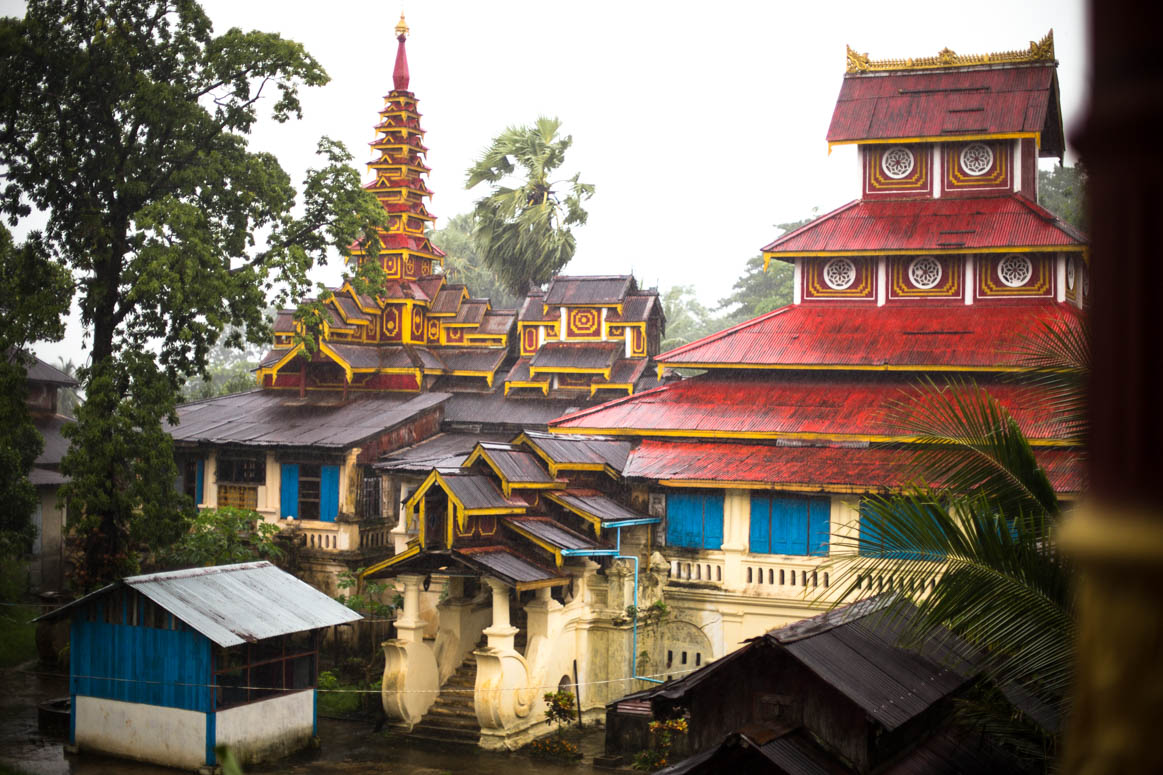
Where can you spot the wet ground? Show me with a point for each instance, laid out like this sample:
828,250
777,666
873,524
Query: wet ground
347,746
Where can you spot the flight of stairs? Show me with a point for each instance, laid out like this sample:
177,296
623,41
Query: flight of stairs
452,719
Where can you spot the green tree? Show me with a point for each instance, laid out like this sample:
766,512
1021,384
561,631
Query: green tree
173,228
522,227
34,292
228,370
1062,191
464,264
222,536
761,290
686,317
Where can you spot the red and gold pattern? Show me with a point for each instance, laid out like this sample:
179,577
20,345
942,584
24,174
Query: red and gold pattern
1039,284
583,323
638,341
392,324
392,266
529,340
957,178
862,287
433,330
916,181
417,324
949,286
453,335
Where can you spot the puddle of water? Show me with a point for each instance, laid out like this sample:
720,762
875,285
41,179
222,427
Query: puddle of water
347,746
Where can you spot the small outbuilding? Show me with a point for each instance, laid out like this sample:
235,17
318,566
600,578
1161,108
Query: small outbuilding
165,667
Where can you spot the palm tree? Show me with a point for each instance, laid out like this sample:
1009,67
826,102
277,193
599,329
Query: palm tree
971,546
523,230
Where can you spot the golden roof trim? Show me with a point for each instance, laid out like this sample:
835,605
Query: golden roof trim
401,27
1039,51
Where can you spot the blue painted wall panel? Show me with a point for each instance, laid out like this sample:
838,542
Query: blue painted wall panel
819,527
713,521
759,541
289,491
328,493
694,520
199,483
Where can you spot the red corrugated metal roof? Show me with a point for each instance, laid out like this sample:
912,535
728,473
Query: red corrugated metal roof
925,225
943,103
810,406
869,468
980,336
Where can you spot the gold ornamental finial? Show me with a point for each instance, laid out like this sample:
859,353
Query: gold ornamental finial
402,26
1039,51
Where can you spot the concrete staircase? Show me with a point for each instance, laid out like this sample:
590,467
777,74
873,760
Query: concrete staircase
451,719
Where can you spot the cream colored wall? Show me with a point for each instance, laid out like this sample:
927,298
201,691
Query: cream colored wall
210,481
47,566
268,729
166,736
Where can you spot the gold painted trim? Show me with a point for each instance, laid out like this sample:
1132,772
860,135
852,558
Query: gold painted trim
404,555
553,551
744,484
768,256
1038,51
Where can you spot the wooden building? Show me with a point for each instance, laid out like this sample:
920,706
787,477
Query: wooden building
165,667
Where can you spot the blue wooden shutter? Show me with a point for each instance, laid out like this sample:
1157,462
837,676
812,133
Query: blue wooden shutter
819,526
870,540
789,526
760,540
681,515
713,521
328,493
289,491
199,481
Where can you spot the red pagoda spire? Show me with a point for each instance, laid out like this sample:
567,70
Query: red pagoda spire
400,72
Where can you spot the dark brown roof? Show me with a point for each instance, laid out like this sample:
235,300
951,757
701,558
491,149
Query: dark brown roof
595,504
533,310
517,466
497,322
627,371
520,373
636,309
472,312
447,301
577,355
596,289
39,371
581,450
270,418
431,284
43,477
552,532
424,357
285,322
55,444
505,563
479,492
444,451
374,356
496,410
470,358
349,308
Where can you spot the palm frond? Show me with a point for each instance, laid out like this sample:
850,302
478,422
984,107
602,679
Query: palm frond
1057,359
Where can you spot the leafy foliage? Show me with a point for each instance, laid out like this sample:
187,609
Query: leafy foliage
464,263
172,227
228,370
222,536
1062,191
560,708
522,228
686,317
757,292
366,596
34,292
662,734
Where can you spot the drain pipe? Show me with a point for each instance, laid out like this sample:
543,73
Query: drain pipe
616,553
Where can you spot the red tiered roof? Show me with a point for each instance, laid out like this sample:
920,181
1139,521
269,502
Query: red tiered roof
867,469
948,338
930,225
935,104
813,406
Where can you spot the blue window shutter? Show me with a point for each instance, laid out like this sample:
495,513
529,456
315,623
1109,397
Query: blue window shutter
789,526
681,526
819,526
760,531
199,481
713,521
289,491
869,543
328,493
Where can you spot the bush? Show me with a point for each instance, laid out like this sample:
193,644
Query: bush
662,738
554,747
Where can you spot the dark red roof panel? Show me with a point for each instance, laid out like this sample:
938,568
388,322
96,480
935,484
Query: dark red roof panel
472,312
533,310
941,103
577,355
552,532
921,225
636,309
811,405
871,468
497,323
447,300
596,289
979,336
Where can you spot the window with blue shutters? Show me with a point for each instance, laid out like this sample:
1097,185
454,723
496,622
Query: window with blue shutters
289,491
694,520
787,524
309,491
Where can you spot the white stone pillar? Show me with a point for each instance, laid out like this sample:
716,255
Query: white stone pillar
500,632
409,625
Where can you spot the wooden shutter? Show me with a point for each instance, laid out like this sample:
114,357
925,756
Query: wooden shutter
328,493
289,491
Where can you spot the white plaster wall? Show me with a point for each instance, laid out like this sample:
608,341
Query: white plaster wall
269,728
167,736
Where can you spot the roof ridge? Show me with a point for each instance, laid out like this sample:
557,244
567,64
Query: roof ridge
184,573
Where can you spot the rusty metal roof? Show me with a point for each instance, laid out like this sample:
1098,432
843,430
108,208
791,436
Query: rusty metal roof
285,321
581,450
350,309
234,604
471,312
447,301
923,225
942,103
591,289
375,356
978,336
269,418
509,566
479,492
577,355
444,452
533,309
516,465
470,358
493,409
552,532
596,505
636,309
497,322
627,371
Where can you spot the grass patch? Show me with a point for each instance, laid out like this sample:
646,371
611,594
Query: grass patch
336,699
17,635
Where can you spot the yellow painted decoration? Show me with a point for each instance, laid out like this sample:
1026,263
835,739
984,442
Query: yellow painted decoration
1038,51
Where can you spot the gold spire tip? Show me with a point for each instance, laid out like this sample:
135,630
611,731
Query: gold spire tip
402,26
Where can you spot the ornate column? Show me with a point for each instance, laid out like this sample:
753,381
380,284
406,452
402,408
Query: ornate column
411,679
500,632
503,696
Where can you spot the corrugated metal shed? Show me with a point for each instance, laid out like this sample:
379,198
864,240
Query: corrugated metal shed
581,450
594,289
268,418
865,468
800,406
552,532
234,604
954,336
444,452
594,504
577,355
940,103
923,225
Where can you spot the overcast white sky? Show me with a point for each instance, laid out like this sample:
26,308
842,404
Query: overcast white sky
701,124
